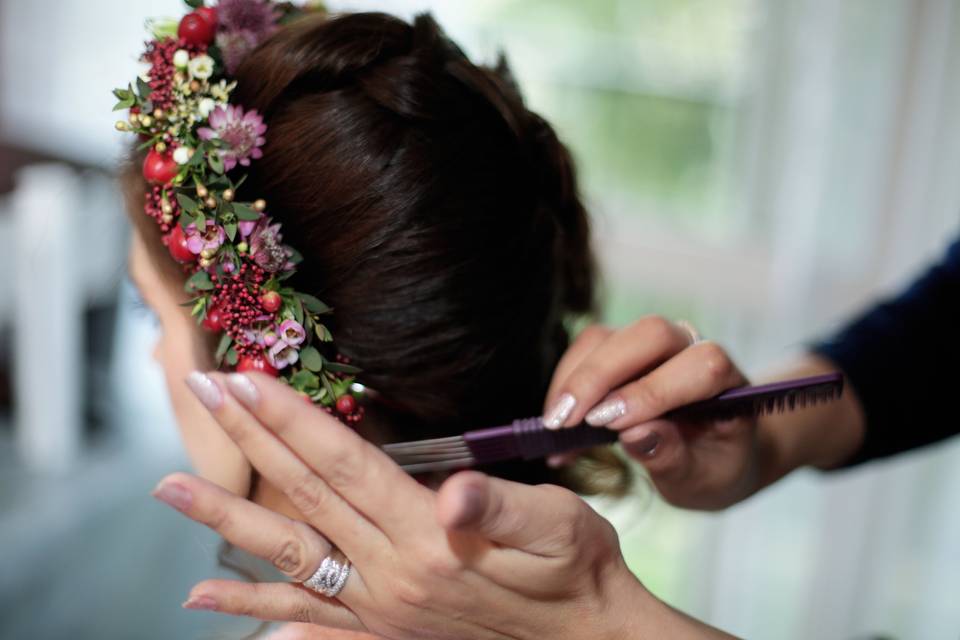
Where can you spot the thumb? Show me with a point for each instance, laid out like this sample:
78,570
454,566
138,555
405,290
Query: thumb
516,515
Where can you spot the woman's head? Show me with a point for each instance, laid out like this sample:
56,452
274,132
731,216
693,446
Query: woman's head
436,215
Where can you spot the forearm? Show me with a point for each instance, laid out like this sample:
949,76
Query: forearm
822,436
640,616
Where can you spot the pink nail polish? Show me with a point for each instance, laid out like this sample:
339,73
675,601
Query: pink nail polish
175,495
606,412
558,414
205,389
243,389
203,603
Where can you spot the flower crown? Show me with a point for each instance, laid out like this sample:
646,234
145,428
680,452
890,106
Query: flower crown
232,251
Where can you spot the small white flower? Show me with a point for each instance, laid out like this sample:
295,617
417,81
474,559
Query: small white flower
205,106
201,67
221,91
182,155
181,58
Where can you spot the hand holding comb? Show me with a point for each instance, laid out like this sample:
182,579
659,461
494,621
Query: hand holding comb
529,439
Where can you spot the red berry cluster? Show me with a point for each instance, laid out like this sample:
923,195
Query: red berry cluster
236,299
154,207
159,55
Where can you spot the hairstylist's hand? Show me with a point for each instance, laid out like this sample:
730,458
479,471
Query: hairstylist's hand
628,379
483,558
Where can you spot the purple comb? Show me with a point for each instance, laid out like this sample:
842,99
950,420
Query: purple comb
529,439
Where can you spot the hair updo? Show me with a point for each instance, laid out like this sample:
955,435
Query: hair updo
436,214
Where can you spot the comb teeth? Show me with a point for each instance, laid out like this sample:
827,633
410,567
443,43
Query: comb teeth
529,439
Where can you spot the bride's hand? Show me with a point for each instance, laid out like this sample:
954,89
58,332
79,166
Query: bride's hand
629,378
481,558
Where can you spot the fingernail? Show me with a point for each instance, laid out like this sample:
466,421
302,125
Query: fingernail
243,389
641,440
205,389
555,418
473,504
175,495
205,603
555,461
606,412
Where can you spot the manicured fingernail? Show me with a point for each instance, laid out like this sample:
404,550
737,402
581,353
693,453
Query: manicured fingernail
557,415
606,412
473,504
175,495
640,440
205,389
205,603
243,389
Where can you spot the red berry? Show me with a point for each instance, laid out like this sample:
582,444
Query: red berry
271,301
196,29
213,322
159,168
256,363
209,14
346,404
177,245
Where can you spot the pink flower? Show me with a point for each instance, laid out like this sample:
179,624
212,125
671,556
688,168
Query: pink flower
242,133
267,248
234,46
281,354
270,338
211,239
292,333
257,16
246,227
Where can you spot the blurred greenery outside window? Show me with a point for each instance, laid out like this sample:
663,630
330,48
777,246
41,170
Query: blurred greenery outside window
647,94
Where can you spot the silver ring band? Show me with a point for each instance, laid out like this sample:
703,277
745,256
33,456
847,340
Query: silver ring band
695,336
329,578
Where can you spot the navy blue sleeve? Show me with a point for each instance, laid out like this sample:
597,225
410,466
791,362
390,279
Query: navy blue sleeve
902,358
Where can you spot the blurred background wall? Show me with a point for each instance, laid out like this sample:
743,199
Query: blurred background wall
761,168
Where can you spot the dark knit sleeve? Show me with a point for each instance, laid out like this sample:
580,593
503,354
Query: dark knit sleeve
902,358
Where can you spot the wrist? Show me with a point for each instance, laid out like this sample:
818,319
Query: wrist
631,612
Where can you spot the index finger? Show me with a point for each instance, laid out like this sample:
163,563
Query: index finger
358,471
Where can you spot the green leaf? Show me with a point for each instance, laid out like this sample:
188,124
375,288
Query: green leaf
196,159
163,28
232,357
143,89
194,4
245,212
123,94
311,359
323,333
149,143
295,256
305,380
215,162
125,103
187,203
328,386
199,308
313,304
339,367
225,343
297,308
200,281
231,229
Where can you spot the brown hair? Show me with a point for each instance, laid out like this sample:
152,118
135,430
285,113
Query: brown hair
436,214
